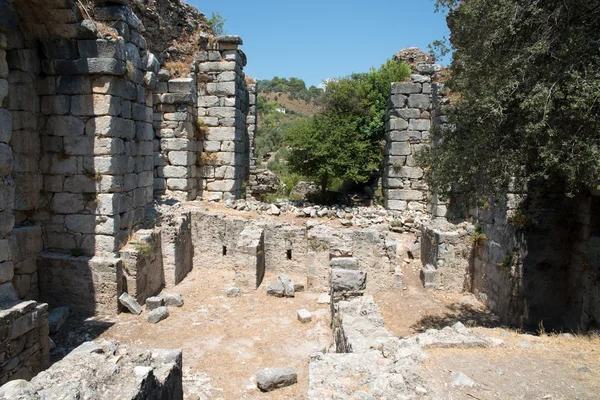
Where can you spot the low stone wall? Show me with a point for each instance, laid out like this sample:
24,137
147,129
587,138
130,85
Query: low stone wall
446,255
88,286
24,343
177,247
25,245
305,252
143,265
107,370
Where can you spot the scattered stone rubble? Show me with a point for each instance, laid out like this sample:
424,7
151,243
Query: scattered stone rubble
273,378
370,362
105,370
375,217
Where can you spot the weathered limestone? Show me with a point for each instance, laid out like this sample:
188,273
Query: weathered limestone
142,265
24,341
273,378
157,315
304,316
153,374
130,303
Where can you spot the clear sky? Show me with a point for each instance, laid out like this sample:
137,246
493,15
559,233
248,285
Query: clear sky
319,39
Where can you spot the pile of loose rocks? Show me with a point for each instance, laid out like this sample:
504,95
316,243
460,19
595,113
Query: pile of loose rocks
350,216
157,306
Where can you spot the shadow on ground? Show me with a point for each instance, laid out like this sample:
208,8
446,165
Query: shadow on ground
75,332
465,313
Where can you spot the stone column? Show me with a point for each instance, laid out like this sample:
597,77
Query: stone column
408,128
222,108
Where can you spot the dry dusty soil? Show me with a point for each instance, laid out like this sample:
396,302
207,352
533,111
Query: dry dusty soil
226,341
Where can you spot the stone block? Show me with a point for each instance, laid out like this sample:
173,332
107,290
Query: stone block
396,124
222,186
57,105
421,101
178,98
406,172
397,101
100,66
221,89
176,172
344,263
157,315
64,126
66,84
67,203
273,378
57,317
419,124
153,303
276,289
304,316
399,149
23,60
96,104
111,127
405,88
217,66
102,48
233,292
60,49
173,300
343,280
7,272
130,303
3,89
3,64
182,85
397,194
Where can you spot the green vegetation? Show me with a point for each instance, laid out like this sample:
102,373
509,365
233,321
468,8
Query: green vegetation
216,22
343,143
295,87
142,248
526,109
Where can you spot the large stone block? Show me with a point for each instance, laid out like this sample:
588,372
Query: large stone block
398,194
399,149
396,124
221,89
405,88
60,49
72,84
343,280
67,203
421,101
24,60
419,124
96,104
217,66
64,126
181,85
102,48
111,127
103,66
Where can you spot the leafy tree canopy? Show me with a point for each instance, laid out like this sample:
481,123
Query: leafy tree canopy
343,142
526,113
294,86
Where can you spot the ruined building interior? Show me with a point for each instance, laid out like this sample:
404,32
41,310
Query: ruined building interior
124,167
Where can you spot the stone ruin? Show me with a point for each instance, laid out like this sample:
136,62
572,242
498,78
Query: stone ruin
115,114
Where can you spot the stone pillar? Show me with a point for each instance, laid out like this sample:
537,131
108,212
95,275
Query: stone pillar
222,109
408,130
176,137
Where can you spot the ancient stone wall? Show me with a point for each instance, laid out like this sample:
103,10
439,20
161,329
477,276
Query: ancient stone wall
411,115
223,107
305,253
24,342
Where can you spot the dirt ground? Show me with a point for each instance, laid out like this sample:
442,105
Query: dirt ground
226,341
546,366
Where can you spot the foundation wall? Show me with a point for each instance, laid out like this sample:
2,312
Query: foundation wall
24,343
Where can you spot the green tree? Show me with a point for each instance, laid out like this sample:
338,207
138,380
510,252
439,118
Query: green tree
343,142
526,109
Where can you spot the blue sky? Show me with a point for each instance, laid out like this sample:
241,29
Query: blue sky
314,40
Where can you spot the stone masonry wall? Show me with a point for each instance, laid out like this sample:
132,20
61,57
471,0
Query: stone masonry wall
176,146
223,106
24,342
413,112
